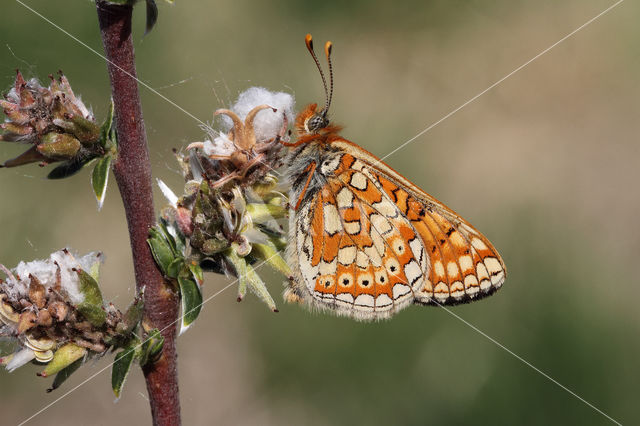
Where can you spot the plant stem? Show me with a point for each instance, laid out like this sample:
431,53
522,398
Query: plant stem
132,170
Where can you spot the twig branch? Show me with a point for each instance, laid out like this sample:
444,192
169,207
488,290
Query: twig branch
132,170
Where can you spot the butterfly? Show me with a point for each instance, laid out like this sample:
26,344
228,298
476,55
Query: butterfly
364,241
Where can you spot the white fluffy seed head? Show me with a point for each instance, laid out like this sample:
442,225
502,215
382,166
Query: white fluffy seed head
220,146
46,272
267,124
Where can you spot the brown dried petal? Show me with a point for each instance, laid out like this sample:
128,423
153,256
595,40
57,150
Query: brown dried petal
19,81
37,292
58,310
27,320
44,318
26,97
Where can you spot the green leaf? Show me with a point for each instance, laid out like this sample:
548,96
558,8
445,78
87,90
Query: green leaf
94,268
100,178
241,271
279,242
133,315
64,374
176,239
248,278
196,271
270,254
151,347
120,369
191,299
92,313
91,306
107,131
152,15
163,229
262,213
89,288
161,251
66,169
174,268
63,358
259,288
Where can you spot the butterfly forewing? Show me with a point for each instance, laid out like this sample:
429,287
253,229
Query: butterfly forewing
464,265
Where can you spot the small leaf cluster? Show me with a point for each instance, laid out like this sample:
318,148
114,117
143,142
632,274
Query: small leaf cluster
169,249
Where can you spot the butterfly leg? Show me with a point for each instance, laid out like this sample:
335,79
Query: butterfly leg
311,168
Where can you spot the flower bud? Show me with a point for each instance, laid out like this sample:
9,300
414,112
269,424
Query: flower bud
229,211
53,120
59,146
53,311
36,292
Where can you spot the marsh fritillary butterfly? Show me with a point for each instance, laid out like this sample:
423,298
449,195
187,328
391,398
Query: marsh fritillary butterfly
363,240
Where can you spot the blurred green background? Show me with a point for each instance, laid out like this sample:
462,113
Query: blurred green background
546,165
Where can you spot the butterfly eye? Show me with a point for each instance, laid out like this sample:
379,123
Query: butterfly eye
316,122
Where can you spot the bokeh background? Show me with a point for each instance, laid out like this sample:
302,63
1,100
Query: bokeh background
546,164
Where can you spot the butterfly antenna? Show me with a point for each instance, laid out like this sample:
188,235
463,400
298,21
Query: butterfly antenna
308,40
327,51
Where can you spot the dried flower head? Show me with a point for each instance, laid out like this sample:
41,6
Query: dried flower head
229,211
53,311
56,123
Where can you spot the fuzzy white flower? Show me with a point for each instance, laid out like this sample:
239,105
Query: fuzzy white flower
46,271
267,124
220,146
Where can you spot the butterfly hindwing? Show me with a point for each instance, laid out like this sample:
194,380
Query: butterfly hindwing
358,253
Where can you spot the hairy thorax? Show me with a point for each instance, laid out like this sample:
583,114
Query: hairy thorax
323,155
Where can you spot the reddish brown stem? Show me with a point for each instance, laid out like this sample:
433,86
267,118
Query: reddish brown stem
132,170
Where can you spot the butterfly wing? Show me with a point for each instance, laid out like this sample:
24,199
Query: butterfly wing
463,264
369,243
357,253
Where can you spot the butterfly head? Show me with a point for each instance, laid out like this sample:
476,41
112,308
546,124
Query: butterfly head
313,123
311,120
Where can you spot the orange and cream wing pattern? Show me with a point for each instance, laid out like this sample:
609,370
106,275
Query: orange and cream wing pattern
367,246
463,265
358,254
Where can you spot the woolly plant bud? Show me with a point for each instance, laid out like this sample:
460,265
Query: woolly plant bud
58,127
228,218
53,311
